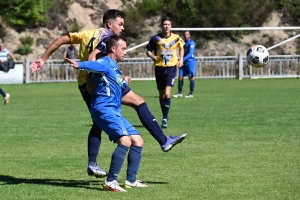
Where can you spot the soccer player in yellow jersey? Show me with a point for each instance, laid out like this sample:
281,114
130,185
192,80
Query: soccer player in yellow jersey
162,49
113,21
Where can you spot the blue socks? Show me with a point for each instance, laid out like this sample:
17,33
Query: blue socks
180,84
192,85
134,160
165,107
150,123
117,160
94,140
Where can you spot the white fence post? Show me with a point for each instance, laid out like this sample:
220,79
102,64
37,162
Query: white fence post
241,72
27,71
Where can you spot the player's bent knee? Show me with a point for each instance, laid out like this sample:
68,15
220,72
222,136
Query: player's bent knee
137,140
125,140
131,99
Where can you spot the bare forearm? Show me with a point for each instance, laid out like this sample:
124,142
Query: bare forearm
55,45
181,53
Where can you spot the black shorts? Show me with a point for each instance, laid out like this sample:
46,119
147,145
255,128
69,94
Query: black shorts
165,76
125,91
88,98
85,95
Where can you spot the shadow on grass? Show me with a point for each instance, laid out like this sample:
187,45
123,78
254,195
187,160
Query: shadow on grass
139,126
96,185
10,180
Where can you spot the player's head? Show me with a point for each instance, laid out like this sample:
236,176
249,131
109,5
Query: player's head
114,21
1,46
187,35
116,46
166,24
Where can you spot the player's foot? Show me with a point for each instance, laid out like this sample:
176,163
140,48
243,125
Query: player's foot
164,123
189,96
113,186
95,170
6,98
172,141
137,183
177,95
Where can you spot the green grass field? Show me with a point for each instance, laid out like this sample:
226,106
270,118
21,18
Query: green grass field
243,143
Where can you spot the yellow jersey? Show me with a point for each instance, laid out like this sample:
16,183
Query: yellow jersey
88,40
165,49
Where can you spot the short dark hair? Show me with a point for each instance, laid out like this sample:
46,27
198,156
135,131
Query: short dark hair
112,42
112,14
163,19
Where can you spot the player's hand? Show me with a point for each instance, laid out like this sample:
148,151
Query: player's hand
127,79
36,65
72,63
154,58
180,63
89,83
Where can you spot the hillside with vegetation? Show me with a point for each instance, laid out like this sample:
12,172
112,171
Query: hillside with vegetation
27,27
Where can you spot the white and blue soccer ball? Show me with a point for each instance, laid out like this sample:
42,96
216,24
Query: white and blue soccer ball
257,56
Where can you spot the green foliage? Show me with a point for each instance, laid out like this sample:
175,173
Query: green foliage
24,49
2,31
205,13
27,40
149,7
23,13
229,53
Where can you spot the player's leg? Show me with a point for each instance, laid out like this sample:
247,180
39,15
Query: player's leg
134,155
94,140
146,117
191,75
5,96
165,87
180,82
148,120
111,123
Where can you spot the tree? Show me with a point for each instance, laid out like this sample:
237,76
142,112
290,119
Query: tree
23,13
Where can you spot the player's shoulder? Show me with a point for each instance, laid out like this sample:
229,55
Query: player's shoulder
192,41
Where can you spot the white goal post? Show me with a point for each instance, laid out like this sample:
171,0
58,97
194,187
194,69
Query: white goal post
227,29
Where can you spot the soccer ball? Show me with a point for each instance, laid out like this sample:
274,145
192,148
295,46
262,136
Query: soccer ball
257,56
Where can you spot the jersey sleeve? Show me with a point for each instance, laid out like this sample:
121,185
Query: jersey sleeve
102,45
180,43
92,66
191,51
76,37
151,45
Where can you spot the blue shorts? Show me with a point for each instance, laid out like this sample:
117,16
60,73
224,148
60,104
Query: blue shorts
188,68
165,76
113,124
125,91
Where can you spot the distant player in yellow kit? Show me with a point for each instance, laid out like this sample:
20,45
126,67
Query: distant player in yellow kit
162,50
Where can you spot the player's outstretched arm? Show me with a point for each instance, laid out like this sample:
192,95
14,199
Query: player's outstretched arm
72,63
39,63
93,54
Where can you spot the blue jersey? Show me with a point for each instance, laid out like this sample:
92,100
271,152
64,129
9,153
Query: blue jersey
108,83
189,50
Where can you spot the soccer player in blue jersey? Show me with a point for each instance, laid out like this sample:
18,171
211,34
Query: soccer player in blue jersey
189,66
106,112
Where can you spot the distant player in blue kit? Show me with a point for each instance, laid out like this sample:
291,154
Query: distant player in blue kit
106,112
189,66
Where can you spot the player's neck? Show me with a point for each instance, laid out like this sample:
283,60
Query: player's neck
112,56
166,34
